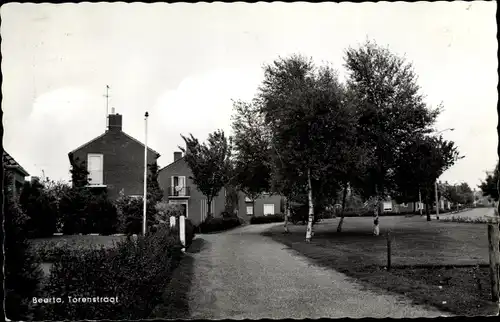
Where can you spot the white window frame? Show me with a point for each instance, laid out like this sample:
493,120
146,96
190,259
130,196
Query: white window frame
249,210
264,209
182,192
89,155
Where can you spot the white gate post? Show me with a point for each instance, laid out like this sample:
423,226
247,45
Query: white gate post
172,221
182,231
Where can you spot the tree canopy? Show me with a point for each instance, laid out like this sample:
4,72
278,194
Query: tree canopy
210,163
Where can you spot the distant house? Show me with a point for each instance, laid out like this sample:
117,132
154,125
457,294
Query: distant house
18,173
178,188
115,160
267,204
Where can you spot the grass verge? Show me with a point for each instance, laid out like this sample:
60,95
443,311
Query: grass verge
175,300
459,290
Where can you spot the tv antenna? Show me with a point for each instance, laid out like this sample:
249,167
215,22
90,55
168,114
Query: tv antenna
107,107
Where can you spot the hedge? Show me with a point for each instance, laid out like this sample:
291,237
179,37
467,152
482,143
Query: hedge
267,219
218,224
135,272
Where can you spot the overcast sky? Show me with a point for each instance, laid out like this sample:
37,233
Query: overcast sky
183,63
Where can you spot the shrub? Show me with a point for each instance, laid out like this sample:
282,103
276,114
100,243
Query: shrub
267,219
189,230
22,273
136,272
218,224
40,208
472,220
130,214
102,217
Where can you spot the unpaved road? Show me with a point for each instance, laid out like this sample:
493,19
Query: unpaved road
240,274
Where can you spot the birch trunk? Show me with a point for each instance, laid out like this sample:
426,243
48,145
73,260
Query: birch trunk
341,222
376,228
287,214
311,207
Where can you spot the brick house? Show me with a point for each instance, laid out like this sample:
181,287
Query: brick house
174,180
268,204
115,160
18,173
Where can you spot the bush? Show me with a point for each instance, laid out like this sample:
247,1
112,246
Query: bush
267,219
476,220
40,208
102,216
301,214
22,273
136,272
218,224
130,215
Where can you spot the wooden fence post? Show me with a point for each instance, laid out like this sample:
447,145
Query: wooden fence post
389,250
493,244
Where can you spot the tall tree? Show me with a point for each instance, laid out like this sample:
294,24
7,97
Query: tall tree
489,186
252,158
155,193
302,106
420,163
390,109
210,164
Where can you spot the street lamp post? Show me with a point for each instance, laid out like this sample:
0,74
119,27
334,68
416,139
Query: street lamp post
145,173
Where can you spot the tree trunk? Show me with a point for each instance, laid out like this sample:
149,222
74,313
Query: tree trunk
287,214
341,222
253,207
209,207
311,207
376,211
427,209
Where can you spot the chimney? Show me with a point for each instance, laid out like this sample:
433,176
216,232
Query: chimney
115,122
177,156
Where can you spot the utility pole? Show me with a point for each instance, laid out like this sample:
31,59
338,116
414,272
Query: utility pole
145,172
107,107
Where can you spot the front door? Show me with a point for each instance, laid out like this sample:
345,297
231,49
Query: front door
184,209
183,204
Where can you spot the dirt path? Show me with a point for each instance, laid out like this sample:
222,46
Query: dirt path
240,274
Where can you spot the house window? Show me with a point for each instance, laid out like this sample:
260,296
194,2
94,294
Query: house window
95,168
404,205
268,209
178,184
248,199
249,210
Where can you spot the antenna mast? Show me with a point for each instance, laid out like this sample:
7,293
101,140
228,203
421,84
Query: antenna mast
107,107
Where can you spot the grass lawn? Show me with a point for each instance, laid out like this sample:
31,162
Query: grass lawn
417,245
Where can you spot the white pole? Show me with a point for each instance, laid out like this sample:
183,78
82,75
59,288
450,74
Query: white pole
182,231
437,199
145,172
